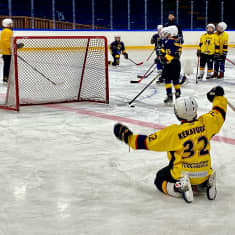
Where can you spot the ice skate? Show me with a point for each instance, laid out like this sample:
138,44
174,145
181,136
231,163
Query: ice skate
208,76
200,77
221,75
214,75
169,99
5,79
184,186
211,187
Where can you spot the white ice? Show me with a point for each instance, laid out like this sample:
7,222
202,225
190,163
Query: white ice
63,172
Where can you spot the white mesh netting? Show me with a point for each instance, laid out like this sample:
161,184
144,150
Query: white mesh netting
59,69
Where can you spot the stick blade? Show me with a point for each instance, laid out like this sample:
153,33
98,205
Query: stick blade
134,81
140,63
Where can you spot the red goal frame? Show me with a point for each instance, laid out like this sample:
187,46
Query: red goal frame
79,99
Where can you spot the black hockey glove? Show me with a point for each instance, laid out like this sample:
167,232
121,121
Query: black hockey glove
198,53
157,60
216,91
125,55
20,45
163,59
122,132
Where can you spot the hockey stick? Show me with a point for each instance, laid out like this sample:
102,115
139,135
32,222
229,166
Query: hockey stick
135,62
146,74
150,55
230,61
198,61
144,88
48,79
231,106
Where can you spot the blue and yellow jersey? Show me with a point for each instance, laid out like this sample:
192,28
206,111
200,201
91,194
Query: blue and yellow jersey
187,144
5,41
117,47
156,40
221,43
207,44
171,49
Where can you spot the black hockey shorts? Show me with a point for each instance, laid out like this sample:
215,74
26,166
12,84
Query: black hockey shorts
206,59
163,175
171,72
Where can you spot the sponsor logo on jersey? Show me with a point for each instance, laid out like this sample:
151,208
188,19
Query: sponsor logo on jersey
195,165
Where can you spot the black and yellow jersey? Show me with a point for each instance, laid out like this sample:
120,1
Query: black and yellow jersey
156,40
5,41
187,144
117,47
171,49
221,43
207,44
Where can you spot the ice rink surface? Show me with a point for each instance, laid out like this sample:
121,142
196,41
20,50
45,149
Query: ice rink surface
63,172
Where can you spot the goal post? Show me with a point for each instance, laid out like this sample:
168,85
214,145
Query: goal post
57,69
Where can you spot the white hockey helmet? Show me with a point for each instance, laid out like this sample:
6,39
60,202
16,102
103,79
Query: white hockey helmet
222,26
160,27
7,23
210,26
165,32
173,30
186,108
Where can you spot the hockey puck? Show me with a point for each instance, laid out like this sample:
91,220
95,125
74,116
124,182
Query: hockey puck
132,106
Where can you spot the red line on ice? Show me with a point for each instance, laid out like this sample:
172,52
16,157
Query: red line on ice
128,120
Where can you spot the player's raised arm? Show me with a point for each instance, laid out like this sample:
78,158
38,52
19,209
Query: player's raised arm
163,140
216,117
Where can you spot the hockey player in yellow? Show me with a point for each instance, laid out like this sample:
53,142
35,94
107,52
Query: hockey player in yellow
187,146
206,51
221,50
5,38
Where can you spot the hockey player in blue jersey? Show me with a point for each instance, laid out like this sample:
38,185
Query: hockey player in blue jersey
157,41
117,48
170,57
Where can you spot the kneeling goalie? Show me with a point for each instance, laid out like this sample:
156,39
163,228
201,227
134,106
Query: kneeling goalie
117,48
187,146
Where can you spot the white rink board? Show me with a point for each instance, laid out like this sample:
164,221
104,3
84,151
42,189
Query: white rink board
131,38
63,171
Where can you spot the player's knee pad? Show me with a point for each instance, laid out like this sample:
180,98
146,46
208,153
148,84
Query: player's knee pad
117,56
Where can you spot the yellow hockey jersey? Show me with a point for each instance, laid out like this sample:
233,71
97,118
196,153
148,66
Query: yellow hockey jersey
221,42
5,41
187,144
207,44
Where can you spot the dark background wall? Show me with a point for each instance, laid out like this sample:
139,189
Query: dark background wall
83,10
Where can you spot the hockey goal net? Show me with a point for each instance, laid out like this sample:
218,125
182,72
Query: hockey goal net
57,69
